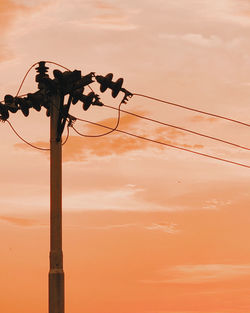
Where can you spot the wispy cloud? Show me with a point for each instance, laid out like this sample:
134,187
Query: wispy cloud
103,5
200,118
213,204
117,199
111,226
201,40
169,228
8,12
201,273
78,149
195,39
18,221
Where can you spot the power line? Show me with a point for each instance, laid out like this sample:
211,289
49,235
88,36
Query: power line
162,143
18,91
24,78
33,65
139,116
67,136
51,62
178,127
191,109
142,95
112,129
28,143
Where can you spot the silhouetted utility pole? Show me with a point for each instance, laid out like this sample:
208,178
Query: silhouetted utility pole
56,274
50,95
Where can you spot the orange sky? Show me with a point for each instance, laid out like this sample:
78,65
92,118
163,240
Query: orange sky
147,229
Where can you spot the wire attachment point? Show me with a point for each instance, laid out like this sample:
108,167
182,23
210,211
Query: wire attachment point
127,95
71,121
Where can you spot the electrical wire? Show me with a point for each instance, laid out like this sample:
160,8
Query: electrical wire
28,143
93,136
25,76
50,62
192,109
67,136
112,129
18,91
27,73
33,146
180,128
162,143
137,115
142,95
91,88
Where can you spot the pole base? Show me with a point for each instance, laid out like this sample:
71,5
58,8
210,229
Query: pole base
56,291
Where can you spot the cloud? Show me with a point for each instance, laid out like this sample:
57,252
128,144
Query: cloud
32,4
202,273
197,194
110,25
97,15
195,39
24,222
233,11
215,204
116,199
201,40
200,118
104,5
224,11
8,12
114,19
80,148
111,226
169,228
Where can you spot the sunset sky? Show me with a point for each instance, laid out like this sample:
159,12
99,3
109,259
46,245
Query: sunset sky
146,228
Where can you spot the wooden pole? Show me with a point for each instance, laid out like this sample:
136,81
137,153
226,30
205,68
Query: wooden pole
56,274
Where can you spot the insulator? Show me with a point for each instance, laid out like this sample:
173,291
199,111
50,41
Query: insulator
87,100
4,114
97,101
83,81
116,87
71,77
48,83
76,95
35,100
104,81
58,74
87,79
76,75
24,106
10,103
67,80
42,70
127,95
8,99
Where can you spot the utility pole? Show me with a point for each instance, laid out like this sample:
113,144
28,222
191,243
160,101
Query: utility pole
51,96
56,274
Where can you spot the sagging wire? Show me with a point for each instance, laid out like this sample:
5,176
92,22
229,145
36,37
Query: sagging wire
161,143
